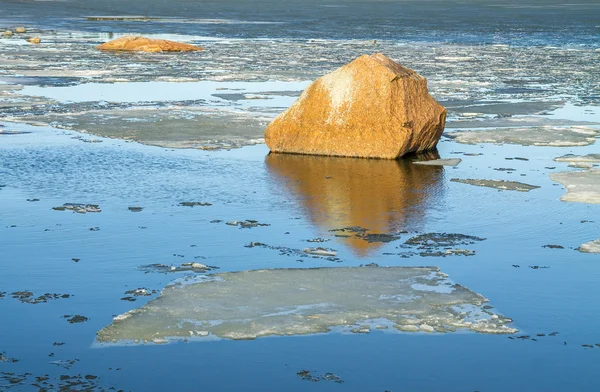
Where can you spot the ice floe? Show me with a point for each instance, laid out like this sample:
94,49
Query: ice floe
252,304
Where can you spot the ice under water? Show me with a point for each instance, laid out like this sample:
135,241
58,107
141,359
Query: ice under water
518,72
251,304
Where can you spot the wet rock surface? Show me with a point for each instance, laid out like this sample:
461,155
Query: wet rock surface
497,184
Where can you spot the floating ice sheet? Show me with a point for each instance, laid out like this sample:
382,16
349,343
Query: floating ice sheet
498,184
589,158
251,304
440,162
530,136
590,247
582,186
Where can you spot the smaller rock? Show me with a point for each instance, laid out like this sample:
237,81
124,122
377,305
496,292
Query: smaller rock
34,40
142,44
135,209
7,33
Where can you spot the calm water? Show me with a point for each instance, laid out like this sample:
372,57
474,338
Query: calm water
303,198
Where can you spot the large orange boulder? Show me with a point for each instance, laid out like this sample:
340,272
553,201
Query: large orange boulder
142,44
372,107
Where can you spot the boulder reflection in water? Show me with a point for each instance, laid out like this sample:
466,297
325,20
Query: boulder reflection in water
382,196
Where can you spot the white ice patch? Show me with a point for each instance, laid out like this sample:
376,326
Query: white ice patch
252,304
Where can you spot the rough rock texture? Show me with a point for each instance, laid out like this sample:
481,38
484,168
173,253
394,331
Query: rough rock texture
141,44
372,107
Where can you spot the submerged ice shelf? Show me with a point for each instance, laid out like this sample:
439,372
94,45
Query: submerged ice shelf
252,304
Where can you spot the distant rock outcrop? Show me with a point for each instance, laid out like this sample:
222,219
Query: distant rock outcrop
142,44
372,107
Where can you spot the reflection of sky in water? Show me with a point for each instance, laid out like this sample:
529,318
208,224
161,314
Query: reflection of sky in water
577,113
